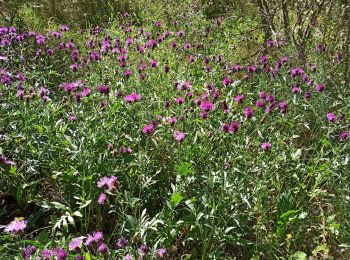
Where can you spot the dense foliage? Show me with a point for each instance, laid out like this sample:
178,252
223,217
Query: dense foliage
177,135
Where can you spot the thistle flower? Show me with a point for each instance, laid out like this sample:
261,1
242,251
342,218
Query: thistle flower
133,97
206,106
343,135
60,253
172,120
148,129
16,226
320,87
179,136
122,242
248,112
47,253
75,244
266,146
179,100
143,249
161,253
102,198
28,252
103,89
103,249
238,98
128,257
331,117
127,73
283,106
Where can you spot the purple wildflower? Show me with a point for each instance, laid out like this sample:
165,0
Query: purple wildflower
102,198
28,252
320,87
148,129
283,106
133,97
266,146
161,253
75,244
103,249
179,136
343,135
16,226
103,89
60,253
206,106
143,249
248,112
122,242
239,98
331,117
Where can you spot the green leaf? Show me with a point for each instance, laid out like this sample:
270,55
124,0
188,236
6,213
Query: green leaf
176,198
298,256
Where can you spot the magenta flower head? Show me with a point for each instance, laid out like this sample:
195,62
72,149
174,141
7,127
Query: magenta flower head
238,98
60,253
122,243
16,226
251,68
226,81
179,100
248,112
262,59
179,136
127,73
133,97
320,87
234,127
75,244
103,249
143,250
172,120
343,135
103,89
266,146
260,103
64,28
40,39
102,198
295,89
161,253
47,254
166,68
148,129
128,257
109,182
28,252
94,238
203,114
206,106
283,106
331,117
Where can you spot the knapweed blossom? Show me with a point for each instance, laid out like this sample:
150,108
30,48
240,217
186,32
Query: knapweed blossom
206,105
248,112
16,226
109,182
148,129
331,117
179,136
343,135
266,146
75,244
122,243
102,198
132,97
